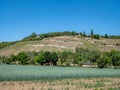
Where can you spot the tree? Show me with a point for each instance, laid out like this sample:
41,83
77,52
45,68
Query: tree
3,60
54,58
47,56
74,33
40,58
93,56
30,37
103,61
84,34
23,58
14,58
115,55
77,59
96,36
63,56
63,59
31,56
91,33
11,59
33,35
106,36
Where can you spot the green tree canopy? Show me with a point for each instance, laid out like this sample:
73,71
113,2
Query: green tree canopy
23,58
54,58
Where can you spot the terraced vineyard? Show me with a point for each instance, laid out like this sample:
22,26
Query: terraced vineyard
61,43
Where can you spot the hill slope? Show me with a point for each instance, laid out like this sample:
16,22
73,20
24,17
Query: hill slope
61,43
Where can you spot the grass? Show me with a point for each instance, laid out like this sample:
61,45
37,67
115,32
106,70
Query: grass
70,42
19,72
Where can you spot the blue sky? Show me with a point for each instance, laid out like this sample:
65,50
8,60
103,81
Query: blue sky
19,18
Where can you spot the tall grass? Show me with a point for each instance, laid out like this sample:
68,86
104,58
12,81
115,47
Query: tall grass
19,72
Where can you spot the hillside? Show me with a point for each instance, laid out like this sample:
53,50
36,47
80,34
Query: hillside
61,43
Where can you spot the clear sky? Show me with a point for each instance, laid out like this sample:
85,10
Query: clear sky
19,18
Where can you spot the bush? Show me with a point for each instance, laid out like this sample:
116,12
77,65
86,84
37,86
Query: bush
23,58
96,36
40,58
104,61
115,56
46,57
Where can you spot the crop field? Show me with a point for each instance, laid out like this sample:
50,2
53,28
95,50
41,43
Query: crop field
29,72
19,77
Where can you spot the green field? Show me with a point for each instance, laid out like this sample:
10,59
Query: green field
19,72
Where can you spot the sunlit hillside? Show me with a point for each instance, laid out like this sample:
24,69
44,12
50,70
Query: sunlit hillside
61,43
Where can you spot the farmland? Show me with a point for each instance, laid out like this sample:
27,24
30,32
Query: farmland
19,72
58,78
106,83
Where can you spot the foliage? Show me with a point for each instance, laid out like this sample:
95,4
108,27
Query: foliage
106,36
23,58
78,58
6,44
34,36
96,36
54,58
46,57
92,33
103,61
65,58
115,56
112,36
40,58
3,60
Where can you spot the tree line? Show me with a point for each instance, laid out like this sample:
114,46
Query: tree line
34,36
78,58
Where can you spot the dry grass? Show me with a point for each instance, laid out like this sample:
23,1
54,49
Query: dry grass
61,43
64,84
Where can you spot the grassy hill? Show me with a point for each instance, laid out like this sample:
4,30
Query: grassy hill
61,43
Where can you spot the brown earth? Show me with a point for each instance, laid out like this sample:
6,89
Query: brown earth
64,84
61,43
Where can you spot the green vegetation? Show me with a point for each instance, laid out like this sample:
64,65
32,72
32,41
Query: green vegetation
28,72
73,49
6,44
35,36
79,58
48,58
96,36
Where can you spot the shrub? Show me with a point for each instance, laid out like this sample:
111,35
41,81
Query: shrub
22,58
103,61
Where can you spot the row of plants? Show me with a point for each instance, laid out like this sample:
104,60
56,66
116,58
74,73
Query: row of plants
79,58
31,72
